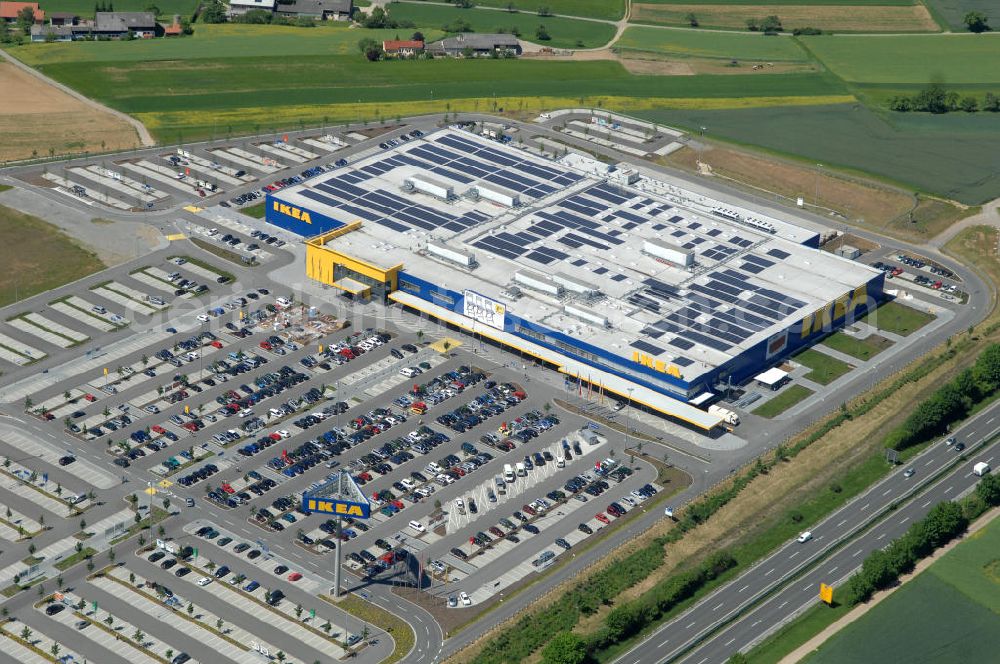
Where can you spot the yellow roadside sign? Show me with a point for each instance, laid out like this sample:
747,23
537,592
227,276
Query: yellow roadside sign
826,593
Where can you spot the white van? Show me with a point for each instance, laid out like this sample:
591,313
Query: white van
521,472
501,485
508,472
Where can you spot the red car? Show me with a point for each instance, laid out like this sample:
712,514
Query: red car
49,416
89,397
602,517
398,504
227,488
190,426
265,345
156,428
366,476
294,576
216,344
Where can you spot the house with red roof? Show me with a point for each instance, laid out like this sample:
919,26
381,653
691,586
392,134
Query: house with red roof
10,10
402,46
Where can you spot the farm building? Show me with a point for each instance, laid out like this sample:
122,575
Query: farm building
117,25
60,33
325,10
624,282
240,7
478,44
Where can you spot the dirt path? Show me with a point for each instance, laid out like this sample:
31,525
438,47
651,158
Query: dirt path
989,216
144,135
812,644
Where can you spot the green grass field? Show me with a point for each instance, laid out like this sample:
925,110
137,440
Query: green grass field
609,10
565,32
898,318
787,397
256,211
724,45
85,8
863,349
952,155
953,59
214,41
825,369
949,614
35,256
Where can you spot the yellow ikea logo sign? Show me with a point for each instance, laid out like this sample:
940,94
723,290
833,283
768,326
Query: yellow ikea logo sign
822,319
335,507
293,212
657,365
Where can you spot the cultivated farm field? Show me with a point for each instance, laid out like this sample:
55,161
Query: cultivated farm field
855,17
914,59
609,10
36,118
722,45
564,32
949,614
953,155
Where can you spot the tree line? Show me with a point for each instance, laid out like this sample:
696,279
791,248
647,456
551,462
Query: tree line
935,98
950,402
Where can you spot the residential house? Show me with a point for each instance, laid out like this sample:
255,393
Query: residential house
479,44
402,47
10,10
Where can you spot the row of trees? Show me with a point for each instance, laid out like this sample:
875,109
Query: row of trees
630,618
943,523
379,19
936,99
950,402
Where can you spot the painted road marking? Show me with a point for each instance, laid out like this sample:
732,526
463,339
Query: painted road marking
857,553
718,607
743,588
841,523
769,572
865,506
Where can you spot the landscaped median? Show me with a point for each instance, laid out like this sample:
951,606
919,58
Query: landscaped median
400,631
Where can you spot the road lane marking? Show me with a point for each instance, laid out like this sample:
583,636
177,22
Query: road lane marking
857,553
719,606
729,642
865,506
768,573
926,504
833,570
880,536
948,489
887,492
904,520
929,462
743,588
690,626
841,523
665,642
795,553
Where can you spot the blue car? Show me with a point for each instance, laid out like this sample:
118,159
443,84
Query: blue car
252,586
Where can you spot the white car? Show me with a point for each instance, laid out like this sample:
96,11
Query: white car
417,526
284,433
204,581
804,537
203,318
466,600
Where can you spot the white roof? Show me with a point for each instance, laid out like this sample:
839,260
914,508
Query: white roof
252,4
772,376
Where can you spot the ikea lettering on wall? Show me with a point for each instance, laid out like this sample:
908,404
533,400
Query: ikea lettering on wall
293,212
822,319
337,507
658,365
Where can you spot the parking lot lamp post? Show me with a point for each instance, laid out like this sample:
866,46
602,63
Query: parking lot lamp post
149,490
626,415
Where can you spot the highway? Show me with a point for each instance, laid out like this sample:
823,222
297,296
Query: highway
693,635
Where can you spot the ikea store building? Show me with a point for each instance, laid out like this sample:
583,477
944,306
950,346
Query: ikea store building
616,278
